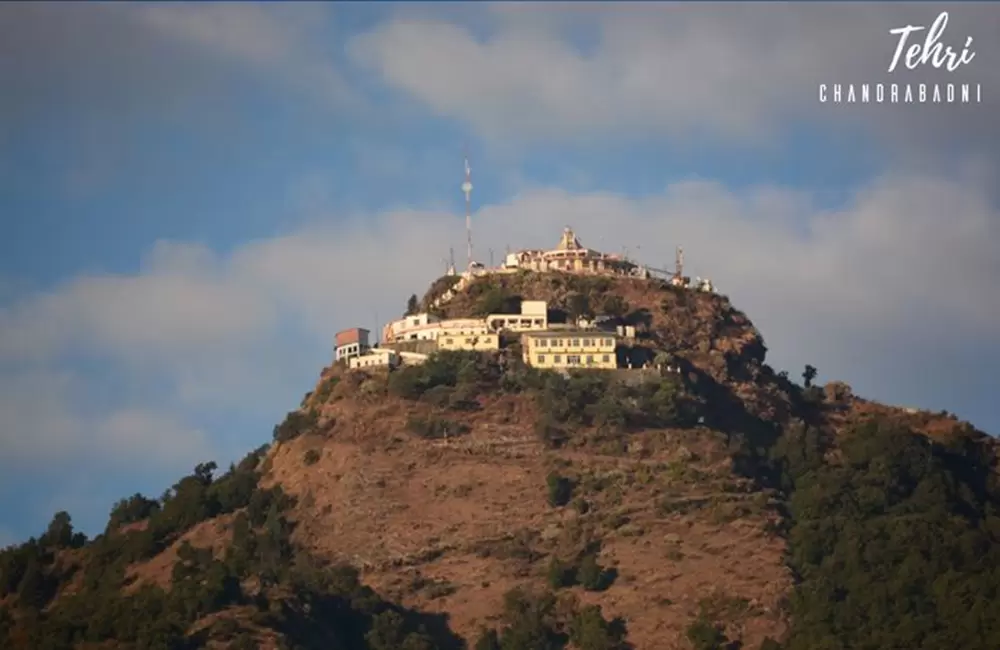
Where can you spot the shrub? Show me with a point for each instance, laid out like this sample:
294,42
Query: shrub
551,435
488,640
560,574
706,635
296,423
311,457
592,576
407,383
560,490
438,396
588,630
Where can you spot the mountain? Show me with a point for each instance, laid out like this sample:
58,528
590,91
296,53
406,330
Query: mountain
704,501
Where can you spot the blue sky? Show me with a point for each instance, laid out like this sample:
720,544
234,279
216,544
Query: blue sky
194,197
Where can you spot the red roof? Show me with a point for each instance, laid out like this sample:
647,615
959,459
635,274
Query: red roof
353,335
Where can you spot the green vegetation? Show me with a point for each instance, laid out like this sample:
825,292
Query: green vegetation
895,544
311,605
585,572
447,368
540,622
567,403
706,635
560,490
296,423
311,457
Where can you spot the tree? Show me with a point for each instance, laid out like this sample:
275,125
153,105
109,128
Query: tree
706,635
808,375
577,306
589,631
60,531
615,305
412,305
560,490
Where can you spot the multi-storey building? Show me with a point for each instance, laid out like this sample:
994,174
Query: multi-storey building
351,343
570,349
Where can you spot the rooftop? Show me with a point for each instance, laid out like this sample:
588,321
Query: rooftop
593,334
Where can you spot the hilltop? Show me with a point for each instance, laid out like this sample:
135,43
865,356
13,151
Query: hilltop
704,501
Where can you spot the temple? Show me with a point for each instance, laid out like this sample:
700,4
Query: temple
572,256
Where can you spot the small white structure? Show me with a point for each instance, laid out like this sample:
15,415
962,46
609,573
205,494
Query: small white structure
533,316
376,358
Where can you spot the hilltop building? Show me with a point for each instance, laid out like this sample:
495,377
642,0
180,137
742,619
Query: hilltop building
534,316
570,349
374,358
351,343
571,256
385,358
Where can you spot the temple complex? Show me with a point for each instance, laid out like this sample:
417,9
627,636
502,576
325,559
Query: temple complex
572,256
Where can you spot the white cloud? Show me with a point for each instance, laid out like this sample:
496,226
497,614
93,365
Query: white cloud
742,71
907,254
47,423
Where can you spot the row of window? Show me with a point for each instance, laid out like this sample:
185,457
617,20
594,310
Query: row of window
574,359
575,343
470,341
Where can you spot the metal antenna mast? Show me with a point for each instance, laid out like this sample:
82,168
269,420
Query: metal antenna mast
679,264
467,189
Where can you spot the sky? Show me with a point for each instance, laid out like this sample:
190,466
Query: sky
195,197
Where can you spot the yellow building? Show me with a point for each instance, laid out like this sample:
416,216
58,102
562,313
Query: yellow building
473,338
569,349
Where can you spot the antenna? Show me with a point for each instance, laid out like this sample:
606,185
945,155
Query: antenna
491,258
467,189
679,264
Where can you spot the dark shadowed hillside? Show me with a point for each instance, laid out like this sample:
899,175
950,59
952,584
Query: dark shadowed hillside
475,502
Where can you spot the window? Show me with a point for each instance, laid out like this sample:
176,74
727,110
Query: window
576,343
557,359
590,360
542,343
573,359
541,358
608,342
606,358
587,343
416,322
469,340
449,341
